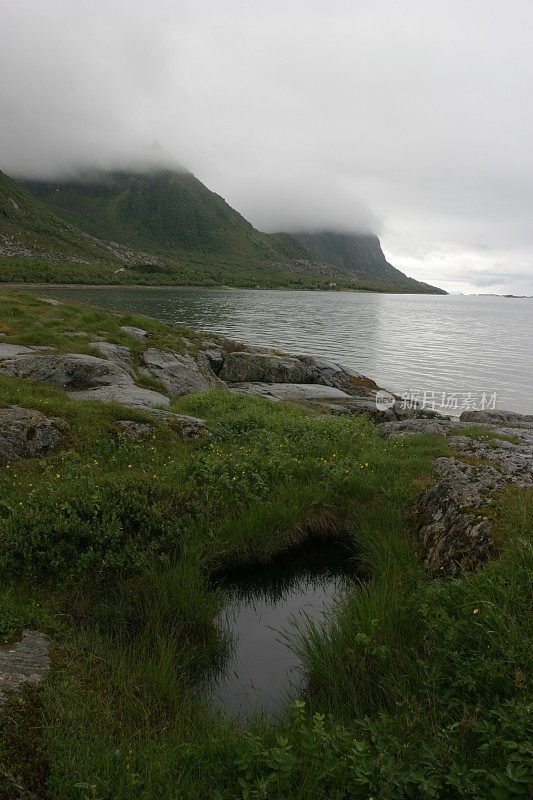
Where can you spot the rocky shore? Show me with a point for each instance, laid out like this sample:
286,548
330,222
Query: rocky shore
453,519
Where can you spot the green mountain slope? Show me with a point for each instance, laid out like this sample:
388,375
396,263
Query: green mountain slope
359,254
166,227
30,228
162,211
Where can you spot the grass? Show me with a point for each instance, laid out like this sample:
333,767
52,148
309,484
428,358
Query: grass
417,688
484,434
183,269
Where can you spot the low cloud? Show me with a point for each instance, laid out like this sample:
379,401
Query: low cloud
412,120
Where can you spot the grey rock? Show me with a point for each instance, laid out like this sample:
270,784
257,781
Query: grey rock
455,533
357,405
127,394
416,427
336,408
74,370
242,367
25,433
179,374
10,350
509,418
137,333
50,301
417,413
25,662
330,373
513,459
452,536
192,427
211,358
290,391
135,430
87,378
117,353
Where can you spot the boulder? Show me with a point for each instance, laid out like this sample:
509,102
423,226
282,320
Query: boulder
244,367
454,529
25,433
416,427
27,661
190,427
72,371
330,373
131,330
268,367
117,353
211,358
179,374
454,537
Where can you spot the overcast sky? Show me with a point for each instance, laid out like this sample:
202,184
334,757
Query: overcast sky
412,119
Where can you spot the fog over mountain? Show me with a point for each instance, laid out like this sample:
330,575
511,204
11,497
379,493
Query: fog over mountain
411,120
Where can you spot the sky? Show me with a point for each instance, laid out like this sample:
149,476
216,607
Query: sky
412,119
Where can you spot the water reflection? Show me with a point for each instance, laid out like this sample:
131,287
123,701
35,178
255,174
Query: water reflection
267,607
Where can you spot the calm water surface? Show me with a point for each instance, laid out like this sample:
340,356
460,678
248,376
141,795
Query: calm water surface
415,343
268,610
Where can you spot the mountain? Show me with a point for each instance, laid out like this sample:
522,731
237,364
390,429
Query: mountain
165,227
360,254
29,227
163,211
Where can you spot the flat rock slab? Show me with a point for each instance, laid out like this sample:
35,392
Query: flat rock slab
25,433
290,391
9,350
508,418
27,661
127,394
74,370
417,427
87,377
135,430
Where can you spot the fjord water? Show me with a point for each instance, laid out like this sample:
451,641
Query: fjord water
418,343
268,609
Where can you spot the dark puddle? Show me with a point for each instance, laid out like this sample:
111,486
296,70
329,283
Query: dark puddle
268,607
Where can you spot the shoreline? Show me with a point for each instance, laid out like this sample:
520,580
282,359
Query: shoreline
211,288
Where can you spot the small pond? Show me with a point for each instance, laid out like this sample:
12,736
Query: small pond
268,608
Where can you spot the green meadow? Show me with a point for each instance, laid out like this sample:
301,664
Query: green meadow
416,688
